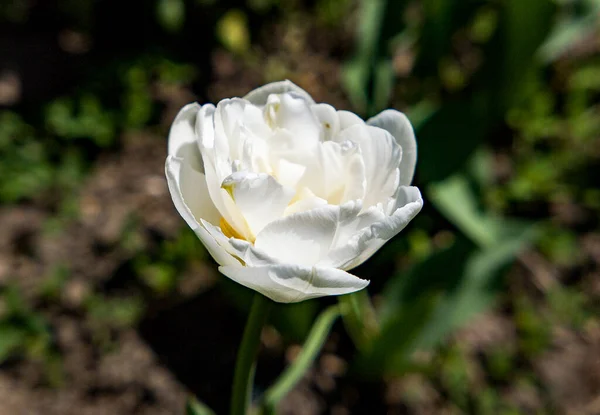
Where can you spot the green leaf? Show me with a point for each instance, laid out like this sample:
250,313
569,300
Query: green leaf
511,55
11,339
195,407
311,348
448,138
357,73
456,201
438,295
359,318
294,320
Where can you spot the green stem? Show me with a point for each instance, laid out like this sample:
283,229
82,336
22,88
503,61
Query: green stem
244,367
294,373
359,317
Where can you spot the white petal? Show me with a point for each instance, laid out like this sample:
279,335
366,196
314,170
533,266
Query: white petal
259,95
259,197
223,200
215,250
243,251
399,126
228,119
381,156
336,172
351,224
205,127
287,172
302,238
304,200
182,137
240,131
214,148
329,119
189,192
363,244
348,119
293,113
286,283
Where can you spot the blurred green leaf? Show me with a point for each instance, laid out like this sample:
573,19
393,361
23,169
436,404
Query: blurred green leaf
438,295
303,362
233,31
383,85
574,26
455,200
448,138
357,72
114,311
22,330
171,14
360,318
25,170
195,407
512,59
11,340
84,118
294,321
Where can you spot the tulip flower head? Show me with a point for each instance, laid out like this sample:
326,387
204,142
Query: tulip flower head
287,195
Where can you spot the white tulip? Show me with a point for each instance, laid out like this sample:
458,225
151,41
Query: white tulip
287,194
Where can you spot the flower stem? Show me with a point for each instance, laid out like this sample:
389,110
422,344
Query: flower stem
244,367
359,318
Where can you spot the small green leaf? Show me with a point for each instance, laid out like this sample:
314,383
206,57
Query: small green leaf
455,200
11,339
195,407
311,348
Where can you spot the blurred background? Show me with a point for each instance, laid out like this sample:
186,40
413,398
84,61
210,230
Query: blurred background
488,301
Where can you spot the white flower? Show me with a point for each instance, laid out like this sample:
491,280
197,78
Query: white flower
286,194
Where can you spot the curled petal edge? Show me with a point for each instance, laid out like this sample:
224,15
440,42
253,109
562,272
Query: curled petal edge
398,125
362,245
182,136
285,283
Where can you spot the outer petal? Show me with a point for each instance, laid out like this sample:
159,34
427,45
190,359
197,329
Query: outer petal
189,192
399,126
205,129
182,137
381,156
241,250
215,250
363,244
214,147
286,283
259,95
178,178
